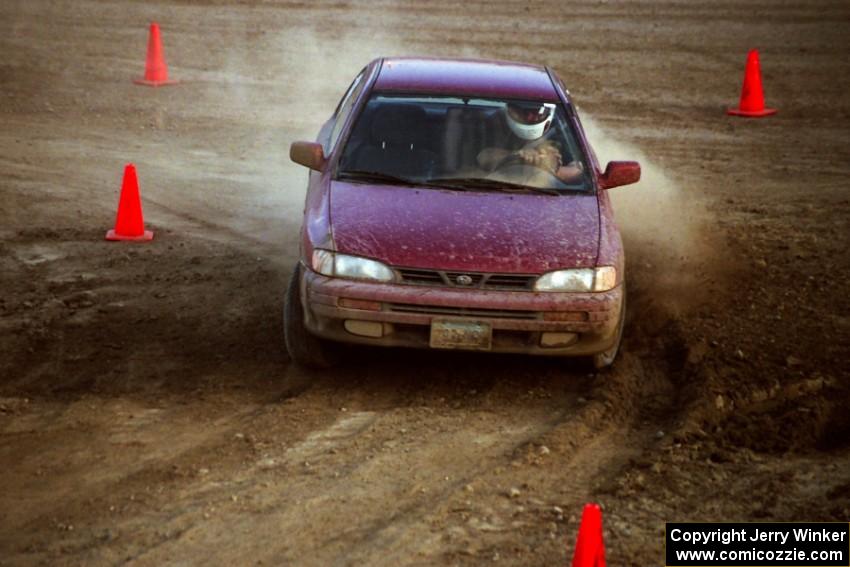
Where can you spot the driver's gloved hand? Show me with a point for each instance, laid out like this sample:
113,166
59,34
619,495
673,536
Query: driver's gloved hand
545,156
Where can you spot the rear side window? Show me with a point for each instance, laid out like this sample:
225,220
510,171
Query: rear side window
344,109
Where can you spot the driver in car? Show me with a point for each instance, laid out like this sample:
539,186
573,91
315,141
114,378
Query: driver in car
529,142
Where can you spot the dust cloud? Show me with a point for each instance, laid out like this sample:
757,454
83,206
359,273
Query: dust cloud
664,226
288,86
306,72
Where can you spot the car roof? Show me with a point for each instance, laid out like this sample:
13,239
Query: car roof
470,77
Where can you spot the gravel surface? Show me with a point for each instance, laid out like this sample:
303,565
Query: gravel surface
149,413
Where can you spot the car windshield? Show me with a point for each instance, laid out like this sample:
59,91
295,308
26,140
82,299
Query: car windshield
465,143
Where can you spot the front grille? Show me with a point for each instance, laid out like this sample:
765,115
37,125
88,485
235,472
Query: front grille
461,311
476,280
510,281
422,277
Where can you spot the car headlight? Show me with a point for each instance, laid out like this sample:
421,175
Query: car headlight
578,279
344,266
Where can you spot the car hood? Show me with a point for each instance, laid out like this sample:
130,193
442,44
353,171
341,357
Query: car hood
523,233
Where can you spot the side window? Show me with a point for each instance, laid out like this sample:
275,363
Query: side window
344,109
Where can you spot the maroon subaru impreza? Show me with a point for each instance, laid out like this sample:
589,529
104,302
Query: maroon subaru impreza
457,204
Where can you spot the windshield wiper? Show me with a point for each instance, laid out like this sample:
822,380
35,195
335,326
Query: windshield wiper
474,183
462,183
362,175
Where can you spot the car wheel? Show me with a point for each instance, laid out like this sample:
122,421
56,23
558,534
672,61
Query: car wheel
304,348
604,359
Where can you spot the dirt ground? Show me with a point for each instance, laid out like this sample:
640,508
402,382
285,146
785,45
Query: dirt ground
149,413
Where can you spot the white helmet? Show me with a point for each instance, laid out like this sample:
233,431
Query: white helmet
529,121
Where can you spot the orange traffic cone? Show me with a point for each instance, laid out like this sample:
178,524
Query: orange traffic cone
752,96
590,549
129,223
156,71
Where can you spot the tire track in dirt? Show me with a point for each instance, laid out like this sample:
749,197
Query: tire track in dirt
372,486
312,488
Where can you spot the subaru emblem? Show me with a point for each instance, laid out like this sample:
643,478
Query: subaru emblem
463,279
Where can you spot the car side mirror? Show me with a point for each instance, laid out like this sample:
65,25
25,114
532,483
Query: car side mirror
620,173
308,154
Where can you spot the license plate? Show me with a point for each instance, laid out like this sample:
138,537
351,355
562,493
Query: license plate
473,335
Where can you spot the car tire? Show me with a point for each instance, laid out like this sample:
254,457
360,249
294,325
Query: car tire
305,349
604,360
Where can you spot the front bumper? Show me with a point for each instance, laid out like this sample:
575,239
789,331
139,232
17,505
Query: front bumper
518,318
